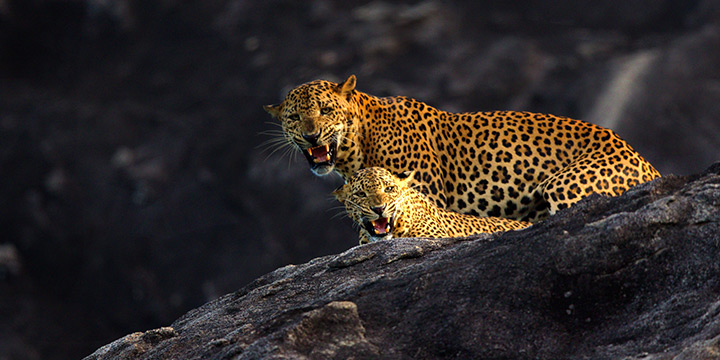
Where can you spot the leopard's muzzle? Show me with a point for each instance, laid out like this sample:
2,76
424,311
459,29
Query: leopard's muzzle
380,228
321,156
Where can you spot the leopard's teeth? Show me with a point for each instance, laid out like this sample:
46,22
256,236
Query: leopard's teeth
320,156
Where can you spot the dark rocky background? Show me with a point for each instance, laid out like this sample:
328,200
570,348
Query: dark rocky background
133,183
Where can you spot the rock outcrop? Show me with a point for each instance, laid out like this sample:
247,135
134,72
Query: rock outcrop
632,277
133,180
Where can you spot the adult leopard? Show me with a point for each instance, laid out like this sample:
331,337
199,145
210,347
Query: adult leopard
512,164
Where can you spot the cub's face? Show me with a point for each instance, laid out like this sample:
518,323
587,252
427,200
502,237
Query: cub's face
373,198
314,119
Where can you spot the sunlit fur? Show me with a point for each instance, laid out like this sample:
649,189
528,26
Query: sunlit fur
411,213
517,165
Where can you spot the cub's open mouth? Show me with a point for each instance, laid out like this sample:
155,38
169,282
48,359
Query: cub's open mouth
380,227
321,155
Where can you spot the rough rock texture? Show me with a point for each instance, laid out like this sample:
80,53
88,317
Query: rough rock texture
134,185
612,278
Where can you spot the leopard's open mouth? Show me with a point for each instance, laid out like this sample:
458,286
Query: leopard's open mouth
323,155
380,227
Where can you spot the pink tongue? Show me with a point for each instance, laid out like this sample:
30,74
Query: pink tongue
319,153
380,226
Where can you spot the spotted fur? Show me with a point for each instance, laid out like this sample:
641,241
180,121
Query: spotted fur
517,165
386,207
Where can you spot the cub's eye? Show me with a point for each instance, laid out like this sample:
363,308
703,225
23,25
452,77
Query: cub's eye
389,189
360,194
294,117
326,110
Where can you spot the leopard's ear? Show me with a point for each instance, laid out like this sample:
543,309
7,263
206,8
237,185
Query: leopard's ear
347,86
341,193
406,177
273,110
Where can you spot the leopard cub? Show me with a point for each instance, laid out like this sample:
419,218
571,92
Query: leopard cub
385,206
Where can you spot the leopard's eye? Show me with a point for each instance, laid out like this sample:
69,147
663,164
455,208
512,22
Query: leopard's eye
389,189
326,110
294,117
360,194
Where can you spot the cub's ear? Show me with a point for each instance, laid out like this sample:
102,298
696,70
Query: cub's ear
341,193
347,86
273,110
406,177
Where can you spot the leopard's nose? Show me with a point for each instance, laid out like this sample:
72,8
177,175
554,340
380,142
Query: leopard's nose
311,138
378,209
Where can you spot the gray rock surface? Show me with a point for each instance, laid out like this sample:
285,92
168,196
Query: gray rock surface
633,277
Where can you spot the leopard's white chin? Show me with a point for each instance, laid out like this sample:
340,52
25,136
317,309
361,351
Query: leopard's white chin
378,238
323,170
